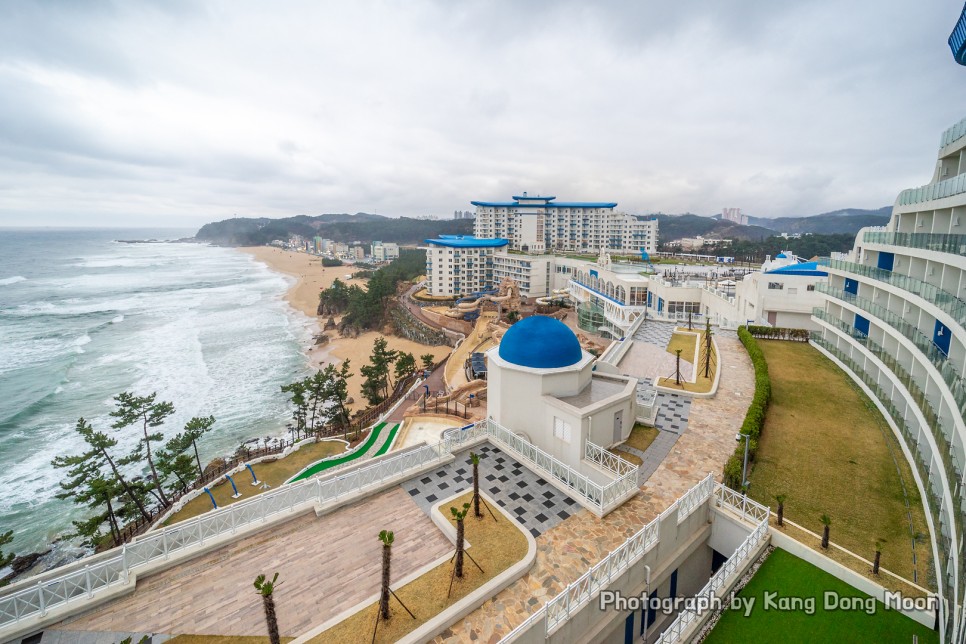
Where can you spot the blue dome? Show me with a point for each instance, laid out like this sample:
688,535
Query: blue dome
540,342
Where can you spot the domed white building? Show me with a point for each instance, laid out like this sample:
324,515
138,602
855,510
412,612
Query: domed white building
542,385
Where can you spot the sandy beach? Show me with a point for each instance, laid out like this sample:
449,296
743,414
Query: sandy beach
311,278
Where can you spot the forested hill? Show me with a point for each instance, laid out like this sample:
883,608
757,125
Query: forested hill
243,231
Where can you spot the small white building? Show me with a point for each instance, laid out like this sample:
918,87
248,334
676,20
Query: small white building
542,386
458,265
384,251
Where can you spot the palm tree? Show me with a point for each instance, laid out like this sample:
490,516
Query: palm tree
265,589
781,508
459,515
827,522
878,556
475,459
387,537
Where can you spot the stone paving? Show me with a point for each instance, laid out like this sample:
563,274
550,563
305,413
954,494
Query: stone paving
537,505
673,412
567,550
326,565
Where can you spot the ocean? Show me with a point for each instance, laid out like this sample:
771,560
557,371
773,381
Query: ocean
84,317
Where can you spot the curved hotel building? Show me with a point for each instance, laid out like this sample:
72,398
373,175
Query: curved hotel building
894,318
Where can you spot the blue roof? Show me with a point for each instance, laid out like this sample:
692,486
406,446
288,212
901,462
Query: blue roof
805,268
781,256
536,197
467,241
559,204
540,342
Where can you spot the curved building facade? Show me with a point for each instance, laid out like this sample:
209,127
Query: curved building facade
894,318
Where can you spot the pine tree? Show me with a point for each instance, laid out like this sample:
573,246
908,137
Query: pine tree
298,398
100,444
405,365
428,360
336,394
6,559
85,484
132,409
378,380
194,429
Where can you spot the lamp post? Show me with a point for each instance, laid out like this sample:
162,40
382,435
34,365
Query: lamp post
744,469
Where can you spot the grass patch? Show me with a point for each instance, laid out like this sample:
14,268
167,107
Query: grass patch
496,545
687,343
827,448
641,437
223,639
794,577
274,473
627,456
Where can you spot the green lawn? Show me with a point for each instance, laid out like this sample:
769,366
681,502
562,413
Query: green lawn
830,451
789,576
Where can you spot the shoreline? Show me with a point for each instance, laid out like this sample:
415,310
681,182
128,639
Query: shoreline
303,296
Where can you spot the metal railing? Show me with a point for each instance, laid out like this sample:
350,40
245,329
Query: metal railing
611,462
942,299
950,375
922,462
952,468
582,591
94,574
602,498
676,630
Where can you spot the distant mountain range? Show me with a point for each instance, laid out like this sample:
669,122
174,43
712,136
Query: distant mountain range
341,227
847,221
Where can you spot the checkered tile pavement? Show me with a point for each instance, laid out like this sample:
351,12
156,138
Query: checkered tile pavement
673,410
656,333
537,505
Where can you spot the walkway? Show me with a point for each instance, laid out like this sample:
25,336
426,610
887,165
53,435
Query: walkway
568,549
537,505
325,566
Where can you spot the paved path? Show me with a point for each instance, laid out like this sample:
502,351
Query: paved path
568,549
537,505
326,565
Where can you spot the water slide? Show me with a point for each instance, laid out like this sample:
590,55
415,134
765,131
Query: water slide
557,294
468,307
347,457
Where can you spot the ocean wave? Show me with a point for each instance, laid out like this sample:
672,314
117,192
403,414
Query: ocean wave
117,320
12,280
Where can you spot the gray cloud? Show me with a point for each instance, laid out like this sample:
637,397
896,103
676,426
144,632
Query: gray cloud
191,111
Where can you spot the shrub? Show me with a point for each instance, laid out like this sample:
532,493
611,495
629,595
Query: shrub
755,417
778,333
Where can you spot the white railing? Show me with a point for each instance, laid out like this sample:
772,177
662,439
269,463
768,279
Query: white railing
733,566
607,460
726,497
602,498
93,575
578,594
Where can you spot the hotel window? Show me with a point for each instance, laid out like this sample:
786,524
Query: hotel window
775,286
810,287
561,430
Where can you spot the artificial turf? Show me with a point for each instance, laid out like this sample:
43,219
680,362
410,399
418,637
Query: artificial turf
789,576
321,466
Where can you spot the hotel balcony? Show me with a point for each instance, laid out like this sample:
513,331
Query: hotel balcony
950,375
943,300
953,244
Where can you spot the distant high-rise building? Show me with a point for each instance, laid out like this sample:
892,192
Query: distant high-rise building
541,224
735,216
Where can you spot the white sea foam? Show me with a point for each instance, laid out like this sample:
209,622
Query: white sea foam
12,280
117,320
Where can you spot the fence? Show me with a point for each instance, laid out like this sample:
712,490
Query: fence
601,498
607,460
581,592
102,571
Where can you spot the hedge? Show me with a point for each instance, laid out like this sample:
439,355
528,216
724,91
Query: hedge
778,333
755,417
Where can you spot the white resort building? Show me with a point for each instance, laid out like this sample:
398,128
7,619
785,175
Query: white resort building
458,265
541,224
894,318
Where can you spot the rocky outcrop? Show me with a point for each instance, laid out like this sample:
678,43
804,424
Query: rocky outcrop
406,325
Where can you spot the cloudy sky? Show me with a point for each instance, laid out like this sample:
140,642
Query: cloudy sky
179,113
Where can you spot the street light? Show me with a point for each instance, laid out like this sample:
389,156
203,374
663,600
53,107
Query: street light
744,469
